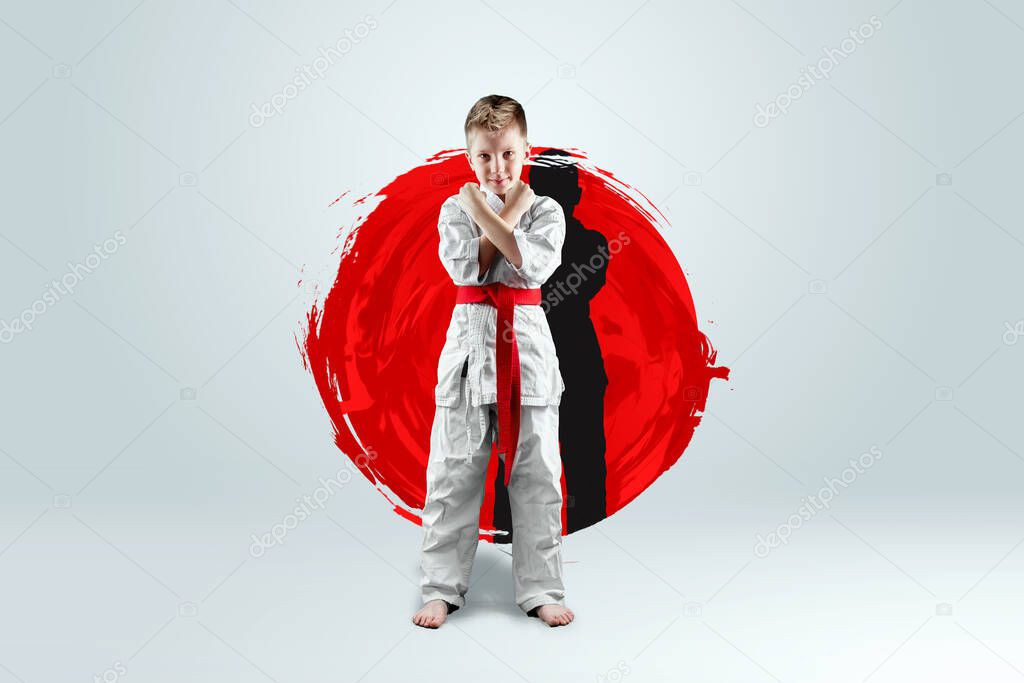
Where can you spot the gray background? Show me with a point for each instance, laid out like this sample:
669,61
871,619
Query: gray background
860,297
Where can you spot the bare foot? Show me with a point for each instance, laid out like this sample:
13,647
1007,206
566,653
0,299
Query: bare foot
432,614
554,615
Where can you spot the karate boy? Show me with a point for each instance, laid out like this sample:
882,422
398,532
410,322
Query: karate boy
498,377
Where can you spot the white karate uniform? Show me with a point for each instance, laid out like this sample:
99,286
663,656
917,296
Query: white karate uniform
466,423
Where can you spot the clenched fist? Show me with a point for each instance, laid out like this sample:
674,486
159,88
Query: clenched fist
472,197
519,197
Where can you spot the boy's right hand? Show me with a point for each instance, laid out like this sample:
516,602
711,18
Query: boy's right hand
519,197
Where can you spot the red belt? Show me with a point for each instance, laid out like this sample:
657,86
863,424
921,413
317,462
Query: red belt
504,298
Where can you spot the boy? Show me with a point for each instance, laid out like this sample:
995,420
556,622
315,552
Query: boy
498,376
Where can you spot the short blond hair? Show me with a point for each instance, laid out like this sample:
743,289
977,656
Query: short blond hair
494,112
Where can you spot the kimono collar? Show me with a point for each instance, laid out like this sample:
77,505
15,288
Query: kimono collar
494,200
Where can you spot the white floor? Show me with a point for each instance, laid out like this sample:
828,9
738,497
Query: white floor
89,590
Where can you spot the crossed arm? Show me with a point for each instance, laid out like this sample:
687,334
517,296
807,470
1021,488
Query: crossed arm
468,253
497,229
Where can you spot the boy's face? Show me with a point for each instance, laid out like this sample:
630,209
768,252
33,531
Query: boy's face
497,157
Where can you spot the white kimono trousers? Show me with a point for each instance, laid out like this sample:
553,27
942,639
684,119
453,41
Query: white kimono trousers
465,420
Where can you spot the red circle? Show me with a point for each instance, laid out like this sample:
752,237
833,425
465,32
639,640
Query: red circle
372,345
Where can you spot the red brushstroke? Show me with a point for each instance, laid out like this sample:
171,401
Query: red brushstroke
372,345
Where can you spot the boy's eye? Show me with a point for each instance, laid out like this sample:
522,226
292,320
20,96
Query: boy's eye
509,154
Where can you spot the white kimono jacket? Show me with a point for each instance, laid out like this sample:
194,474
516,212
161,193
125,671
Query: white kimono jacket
471,333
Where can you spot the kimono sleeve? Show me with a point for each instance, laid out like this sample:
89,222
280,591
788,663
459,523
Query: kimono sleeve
541,246
459,246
